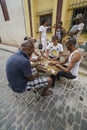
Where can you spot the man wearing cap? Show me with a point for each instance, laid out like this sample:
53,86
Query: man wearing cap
74,59
78,27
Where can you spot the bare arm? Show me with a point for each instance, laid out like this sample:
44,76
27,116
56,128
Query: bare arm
58,62
76,57
32,77
60,53
76,31
54,26
47,53
36,53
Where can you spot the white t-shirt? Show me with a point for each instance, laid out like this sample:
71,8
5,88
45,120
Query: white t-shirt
54,50
43,30
77,27
74,28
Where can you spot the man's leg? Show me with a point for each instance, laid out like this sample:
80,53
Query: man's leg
65,74
41,82
46,90
53,78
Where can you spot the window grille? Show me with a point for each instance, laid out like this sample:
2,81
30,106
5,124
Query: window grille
48,17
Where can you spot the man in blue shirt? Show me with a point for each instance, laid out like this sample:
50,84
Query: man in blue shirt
21,75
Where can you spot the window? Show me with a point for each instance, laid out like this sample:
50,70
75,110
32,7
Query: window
48,17
4,9
82,10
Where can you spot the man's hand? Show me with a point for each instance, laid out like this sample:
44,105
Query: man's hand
37,63
53,63
58,65
33,60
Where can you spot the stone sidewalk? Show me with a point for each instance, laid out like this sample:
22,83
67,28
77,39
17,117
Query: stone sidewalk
64,110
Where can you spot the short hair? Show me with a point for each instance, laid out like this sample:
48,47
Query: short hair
30,38
54,38
26,38
71,41
27,43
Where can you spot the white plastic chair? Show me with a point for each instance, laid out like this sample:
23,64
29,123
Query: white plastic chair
27,97
70,84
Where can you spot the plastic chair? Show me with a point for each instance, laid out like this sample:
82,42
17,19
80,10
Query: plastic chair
28,96
70,84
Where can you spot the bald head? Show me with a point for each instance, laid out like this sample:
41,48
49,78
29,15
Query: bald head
27,44
27,47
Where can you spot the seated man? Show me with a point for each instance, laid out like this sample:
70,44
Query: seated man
54,49
74,59
21,76
37,56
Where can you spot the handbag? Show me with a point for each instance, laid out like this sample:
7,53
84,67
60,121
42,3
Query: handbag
40,46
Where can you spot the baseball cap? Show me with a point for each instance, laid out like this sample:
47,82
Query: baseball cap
78,16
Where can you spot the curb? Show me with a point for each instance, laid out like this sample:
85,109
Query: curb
82,73
7,50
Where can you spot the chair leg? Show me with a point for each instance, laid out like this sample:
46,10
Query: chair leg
70,85
37,94
19,96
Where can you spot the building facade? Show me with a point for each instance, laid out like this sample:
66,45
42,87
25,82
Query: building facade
54,11
69,11
26,16
13,31
35,12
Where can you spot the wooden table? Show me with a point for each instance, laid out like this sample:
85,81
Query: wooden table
48,69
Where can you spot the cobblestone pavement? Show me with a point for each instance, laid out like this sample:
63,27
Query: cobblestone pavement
64,110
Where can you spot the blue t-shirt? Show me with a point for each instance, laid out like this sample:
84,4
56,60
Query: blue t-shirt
18,68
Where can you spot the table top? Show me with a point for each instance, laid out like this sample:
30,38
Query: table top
45,67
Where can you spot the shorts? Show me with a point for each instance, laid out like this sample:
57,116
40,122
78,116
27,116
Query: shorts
39,82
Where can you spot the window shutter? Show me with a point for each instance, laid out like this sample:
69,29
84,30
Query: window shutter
4,9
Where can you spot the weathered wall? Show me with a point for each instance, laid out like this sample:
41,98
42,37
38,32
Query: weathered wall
67,12
13,31
38,6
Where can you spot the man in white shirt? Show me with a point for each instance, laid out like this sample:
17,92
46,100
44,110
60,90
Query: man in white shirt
74,59
42,34
77,29
54,49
